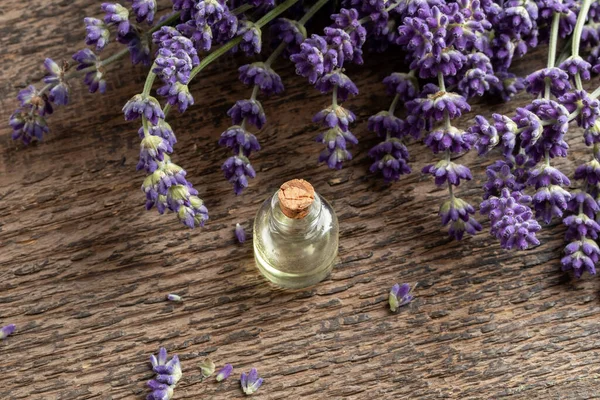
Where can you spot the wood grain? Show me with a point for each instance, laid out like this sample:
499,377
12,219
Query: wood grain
84,269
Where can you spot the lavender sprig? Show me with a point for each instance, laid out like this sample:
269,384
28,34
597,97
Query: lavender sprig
168,374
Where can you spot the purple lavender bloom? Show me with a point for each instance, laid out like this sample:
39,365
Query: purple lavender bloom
476,82
415,35
450,139
335,158
251,38
391,158
487,135
511,220
177,94
576,65
240,234
170,38
314,58
589,172
237,138
249,110
335,141
437,105
139,47
185,7
581,255
93,79
193,212
580,225
97,34
400,295
546,175
588,108
174,297
116,15
333,116
339,41
290,32
383,123
261,75
209,12
550,201
224,372
546,138
226,28
448,63
142,105
344,85
250,382
144,10
59,94
348,20
172,66
457,213
152,150
160,391
27,125
201,36
448,172
582,202
402,84
30,98
500,176
7,330
508,85
163,130
237,169
555,77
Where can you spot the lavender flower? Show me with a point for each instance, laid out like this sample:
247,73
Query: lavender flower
174,297
7,330
314,58
333,116
160,391
251,38
207,367
31,98
405,85
557,79
261,75
347,19
238,139
240,234
142,105
144,10
209,12
589,172
201,36
511,219
224,372
337,119
581,255
448,171
588,108
237,170
339,42
250,382
500,176
177,94
400,295
97,34
139,47
249,110
457,213
391,158
339,80
116,15
93,79
27,125
168,373
59,93
290,32
487,134
449,139
576,65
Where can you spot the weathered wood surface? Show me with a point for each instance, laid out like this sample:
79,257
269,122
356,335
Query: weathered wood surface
84,269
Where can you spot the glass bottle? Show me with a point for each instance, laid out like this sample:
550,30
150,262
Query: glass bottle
295,236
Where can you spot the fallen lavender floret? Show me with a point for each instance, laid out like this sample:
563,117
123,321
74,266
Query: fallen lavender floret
250,382
174,297
400,295
207,367
224,372
7,330
168,373
240,234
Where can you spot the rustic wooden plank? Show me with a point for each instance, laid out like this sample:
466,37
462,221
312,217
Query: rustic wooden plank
84,269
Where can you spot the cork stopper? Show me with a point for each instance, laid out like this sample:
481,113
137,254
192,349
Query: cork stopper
295,198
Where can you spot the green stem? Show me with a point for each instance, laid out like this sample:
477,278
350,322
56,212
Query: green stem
312,11
552,49
394,104
168,21
145,126
274,13
583,12
241,9
149,81
334,96
596,93
275,54
441,83
254,92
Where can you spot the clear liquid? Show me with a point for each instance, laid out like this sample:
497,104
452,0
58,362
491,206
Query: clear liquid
295,253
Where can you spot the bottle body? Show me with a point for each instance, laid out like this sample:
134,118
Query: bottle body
295,253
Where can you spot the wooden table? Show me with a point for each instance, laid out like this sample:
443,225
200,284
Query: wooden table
84,269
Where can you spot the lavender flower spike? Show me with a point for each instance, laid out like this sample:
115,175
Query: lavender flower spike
174,297
224,372
400,295
7,330
207,367
250,382
240,233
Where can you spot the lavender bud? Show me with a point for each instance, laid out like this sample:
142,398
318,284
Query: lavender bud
240,233
7,330
250,382
224,372
400,295
174,297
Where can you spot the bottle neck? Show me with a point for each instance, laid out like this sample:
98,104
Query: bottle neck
290,226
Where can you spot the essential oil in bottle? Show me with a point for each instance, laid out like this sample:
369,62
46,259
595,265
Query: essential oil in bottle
295,236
